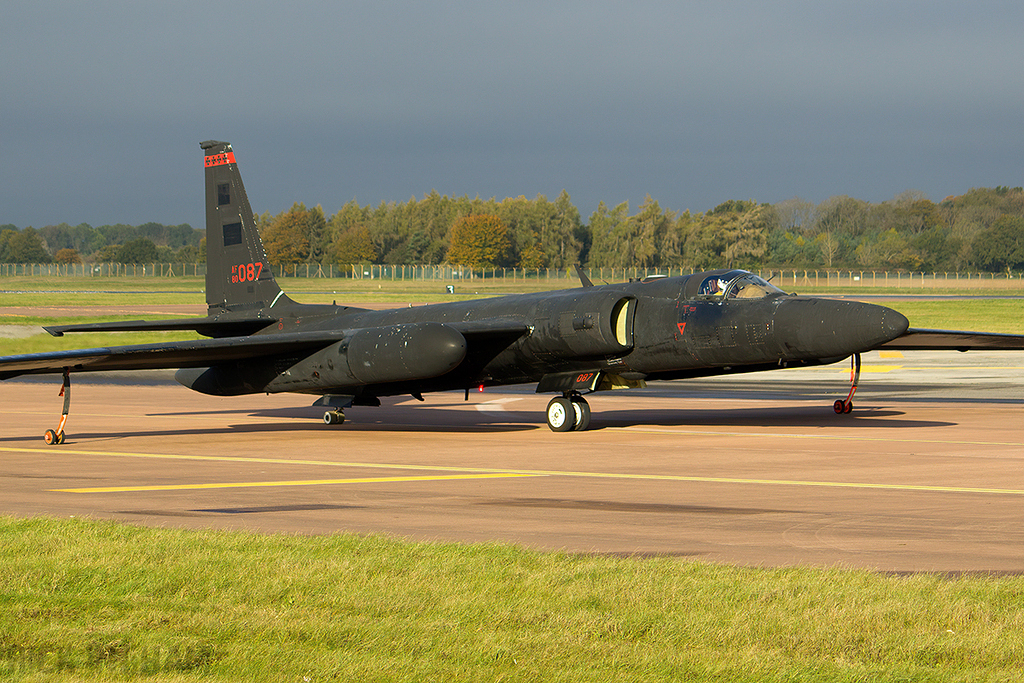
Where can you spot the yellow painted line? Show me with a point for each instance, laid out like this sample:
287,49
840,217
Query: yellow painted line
946,368
825,437
890,354
880,368
486,473
60,450
220,417
559,473
305,482
789,482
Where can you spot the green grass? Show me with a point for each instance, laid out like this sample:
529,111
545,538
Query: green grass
52,291
991,315
43,291
988,315
38,321
80,284
86,600
40,291
67,299
43,342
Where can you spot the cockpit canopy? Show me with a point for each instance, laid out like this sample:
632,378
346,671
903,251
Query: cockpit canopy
734,284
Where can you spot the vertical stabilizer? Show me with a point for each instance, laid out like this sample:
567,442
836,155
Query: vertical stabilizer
238,275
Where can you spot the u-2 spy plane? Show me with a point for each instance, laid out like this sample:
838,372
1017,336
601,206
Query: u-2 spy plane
570,342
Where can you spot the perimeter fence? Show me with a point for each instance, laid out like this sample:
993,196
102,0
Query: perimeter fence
786,278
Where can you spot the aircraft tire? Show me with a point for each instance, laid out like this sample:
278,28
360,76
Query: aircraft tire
848,407
561,415
581,410
839,407
50,437
60,438
334,417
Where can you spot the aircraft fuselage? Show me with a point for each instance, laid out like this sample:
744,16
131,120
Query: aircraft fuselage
661,328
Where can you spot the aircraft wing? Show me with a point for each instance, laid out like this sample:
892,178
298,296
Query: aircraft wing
180,354
205,352
916,339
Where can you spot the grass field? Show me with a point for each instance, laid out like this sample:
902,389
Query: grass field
84,600
982,315
88,600
21,296
34,291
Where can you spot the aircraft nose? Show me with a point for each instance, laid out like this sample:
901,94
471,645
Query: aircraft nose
893,324
810,328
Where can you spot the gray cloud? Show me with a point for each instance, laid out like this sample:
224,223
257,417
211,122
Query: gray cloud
104,103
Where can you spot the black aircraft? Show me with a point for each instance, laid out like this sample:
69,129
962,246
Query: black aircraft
570,342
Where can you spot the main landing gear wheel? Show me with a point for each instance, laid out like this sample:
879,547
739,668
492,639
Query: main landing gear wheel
568,413
561,415
582,413
334,417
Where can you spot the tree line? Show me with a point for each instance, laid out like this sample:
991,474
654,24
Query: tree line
982,229
63,243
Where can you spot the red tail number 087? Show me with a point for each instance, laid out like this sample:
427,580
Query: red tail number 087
246,272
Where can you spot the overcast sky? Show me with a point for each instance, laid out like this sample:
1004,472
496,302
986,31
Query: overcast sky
103,104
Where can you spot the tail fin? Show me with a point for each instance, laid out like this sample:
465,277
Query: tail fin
238,275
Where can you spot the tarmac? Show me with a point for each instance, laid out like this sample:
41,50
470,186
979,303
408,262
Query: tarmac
925,475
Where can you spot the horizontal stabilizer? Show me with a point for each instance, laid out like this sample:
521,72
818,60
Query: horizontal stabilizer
209,327
916,339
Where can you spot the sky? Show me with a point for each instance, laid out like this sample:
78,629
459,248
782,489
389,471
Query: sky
103,104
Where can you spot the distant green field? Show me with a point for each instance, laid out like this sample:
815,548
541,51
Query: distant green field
992,315
85,600
43,342
989,315
38,291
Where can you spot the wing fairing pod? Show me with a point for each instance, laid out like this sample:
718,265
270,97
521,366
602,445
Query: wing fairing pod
377,355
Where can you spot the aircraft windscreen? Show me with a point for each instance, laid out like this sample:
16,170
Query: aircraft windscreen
750,286
715,285
736,285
